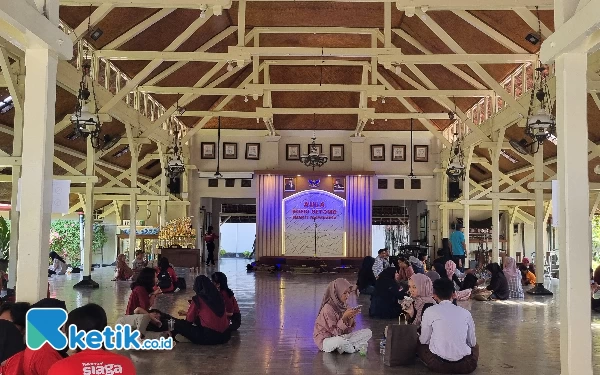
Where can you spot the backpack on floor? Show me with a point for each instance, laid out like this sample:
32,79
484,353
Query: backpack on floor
164,280
181,283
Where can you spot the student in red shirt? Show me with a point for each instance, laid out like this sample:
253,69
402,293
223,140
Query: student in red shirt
231,306
206,322
38,362
11,349
210,238
143,292
166,276
87,318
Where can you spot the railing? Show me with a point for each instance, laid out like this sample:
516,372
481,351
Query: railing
105,73
516,84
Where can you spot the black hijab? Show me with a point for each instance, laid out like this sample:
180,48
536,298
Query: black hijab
209,293
11,340
54,255
386,280
494,268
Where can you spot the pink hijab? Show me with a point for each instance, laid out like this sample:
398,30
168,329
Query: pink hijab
510,267
333,295
424,295
450,268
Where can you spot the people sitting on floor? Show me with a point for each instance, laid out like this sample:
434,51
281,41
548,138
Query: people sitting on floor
39,362
527,277
384,301
122,271
447,341
138,264
404,271
424,258
167,278
416,264
206,321
450,273
11,349
531,267
366,279
594,289
420,288
143,292
513,277
152,324
335,321
91,317
15,312
498,283
58,266
381,262
232,309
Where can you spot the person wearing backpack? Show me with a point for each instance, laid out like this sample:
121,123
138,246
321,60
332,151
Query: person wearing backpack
166,276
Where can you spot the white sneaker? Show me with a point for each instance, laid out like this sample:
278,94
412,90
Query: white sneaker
176,290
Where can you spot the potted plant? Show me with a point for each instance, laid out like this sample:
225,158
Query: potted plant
4,238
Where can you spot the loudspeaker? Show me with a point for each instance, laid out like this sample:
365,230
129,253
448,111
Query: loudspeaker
175,185
454,190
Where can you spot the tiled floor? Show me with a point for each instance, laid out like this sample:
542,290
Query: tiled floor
278,312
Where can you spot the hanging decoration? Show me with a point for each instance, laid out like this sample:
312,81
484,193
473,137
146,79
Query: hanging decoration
175,166
218,173
411,175
456,165
86,123
541,124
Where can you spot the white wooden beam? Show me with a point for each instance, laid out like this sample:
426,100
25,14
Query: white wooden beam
531,19
489,31
91,21
139,28
23,26
579,34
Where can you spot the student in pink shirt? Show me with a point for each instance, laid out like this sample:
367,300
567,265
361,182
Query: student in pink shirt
335,322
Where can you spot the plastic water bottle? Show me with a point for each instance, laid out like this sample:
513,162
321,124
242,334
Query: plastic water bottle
171,324
382,347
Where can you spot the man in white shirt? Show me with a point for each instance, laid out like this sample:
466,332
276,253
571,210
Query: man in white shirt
448,343
381,262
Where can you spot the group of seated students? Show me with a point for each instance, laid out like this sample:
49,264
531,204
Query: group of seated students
447,342
17,359
122,270
212,315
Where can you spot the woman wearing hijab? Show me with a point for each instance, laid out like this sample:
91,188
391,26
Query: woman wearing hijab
335,322
122,272
513,277
417,265
498,283
11,348
366,278
420,288
206,322
384,302
462,294
232,309
58,266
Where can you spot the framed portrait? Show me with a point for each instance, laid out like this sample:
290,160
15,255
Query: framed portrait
382,183
421,153
289,184
339,184
208,150
336,152
318,146
398,152
377,152
292,152
252,151
229,150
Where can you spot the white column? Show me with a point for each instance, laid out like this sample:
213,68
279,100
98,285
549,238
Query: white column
36,185
466,218
358,153
540,224
133,207
88,232
269,158
13,255
163,187
495,206
575,313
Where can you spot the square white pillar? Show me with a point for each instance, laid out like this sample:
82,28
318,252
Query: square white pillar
37,160
571,118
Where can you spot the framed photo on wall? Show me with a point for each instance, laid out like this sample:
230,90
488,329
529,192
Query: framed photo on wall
292,152
318,146
421,153
289,184
336,152
208,150
377,152
229,150
398,152
339,184
252,151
